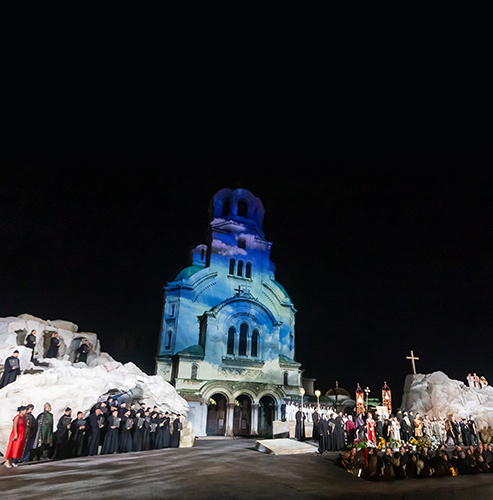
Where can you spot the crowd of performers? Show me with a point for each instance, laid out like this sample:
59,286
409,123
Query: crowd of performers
476,382
109,427
398,446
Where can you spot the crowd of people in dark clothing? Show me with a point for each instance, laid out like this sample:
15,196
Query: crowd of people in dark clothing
109,427
374,465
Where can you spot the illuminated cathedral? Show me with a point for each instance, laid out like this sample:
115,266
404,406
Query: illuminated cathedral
227,342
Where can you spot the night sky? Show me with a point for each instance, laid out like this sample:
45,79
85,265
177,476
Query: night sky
379,254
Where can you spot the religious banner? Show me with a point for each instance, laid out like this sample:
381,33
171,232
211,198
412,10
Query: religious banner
360,401
387,397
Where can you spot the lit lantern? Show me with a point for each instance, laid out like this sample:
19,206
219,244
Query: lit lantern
360,401
387,397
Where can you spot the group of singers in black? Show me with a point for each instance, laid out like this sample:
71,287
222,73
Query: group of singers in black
110,427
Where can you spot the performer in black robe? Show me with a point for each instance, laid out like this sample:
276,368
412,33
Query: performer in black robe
111,439
31,342
473,431
62,449
96,423
378,427
322,430
78,439
166,431
300,424
177,428
11,369
137,432
153,432
132,410
466,433
339,436
31,431
331,432
54,345
158,443
122,409
126,426
146,437
283,411
83,351
316,420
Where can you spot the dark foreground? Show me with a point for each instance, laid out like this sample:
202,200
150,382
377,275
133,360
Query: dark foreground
220,469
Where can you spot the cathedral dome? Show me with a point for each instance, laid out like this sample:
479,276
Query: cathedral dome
340,392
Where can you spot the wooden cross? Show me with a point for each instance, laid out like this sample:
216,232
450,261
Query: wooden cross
412,358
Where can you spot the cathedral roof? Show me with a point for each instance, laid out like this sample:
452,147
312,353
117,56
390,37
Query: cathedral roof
340,392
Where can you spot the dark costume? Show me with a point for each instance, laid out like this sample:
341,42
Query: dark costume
31,430
166,432
62,437
323,436
82,351
78,439
31,343
300,426
111,439
316,420
11,370
137,434
339,438
96,423
53,350
283,412
126,434
175,437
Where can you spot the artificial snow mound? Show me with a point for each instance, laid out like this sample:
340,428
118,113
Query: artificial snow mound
436,395
62,383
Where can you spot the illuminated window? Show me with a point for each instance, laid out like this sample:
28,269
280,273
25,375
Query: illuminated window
193,374
232,266
172,313
291,341
226,208
242,243
243,208
242,348
240,268
255,337
248,272
231,340
286,378
170,333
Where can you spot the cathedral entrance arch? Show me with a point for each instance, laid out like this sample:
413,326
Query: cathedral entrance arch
266,415
242,416
216,415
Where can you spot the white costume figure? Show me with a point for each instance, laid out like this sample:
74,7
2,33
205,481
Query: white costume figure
395,431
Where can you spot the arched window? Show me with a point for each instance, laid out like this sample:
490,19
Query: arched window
248,272
242,348
232,266
193,374
243,208
242,243
231,340
285,378
240,268
226,208
168,345
255,337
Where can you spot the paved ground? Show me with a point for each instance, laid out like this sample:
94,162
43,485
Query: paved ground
220,469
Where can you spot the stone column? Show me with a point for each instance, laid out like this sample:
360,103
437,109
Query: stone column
254,429
229,418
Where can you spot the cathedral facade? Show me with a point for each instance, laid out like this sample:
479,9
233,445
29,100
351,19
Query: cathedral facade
227,342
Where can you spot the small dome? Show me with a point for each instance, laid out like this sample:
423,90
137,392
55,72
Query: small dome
340,392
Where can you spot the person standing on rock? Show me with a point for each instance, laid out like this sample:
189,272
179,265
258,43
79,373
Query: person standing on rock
31,343
54,345
11,369
83,351
17,438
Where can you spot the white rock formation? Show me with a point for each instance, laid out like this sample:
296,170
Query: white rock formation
436,395
62,383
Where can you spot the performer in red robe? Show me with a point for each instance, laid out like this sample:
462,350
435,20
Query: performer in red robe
350,430
370,423
17,438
